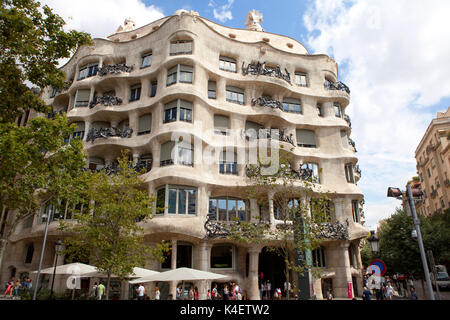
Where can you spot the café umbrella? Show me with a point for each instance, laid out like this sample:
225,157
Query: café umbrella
181,274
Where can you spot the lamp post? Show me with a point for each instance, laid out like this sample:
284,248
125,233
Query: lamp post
48,218
58,250
398,194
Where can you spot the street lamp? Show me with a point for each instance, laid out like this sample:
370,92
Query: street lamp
58,249
374,242
409,198
48,217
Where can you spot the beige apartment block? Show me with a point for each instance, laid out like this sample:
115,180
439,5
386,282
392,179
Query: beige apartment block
433,165
183,75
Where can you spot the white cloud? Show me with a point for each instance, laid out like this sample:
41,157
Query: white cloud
101,18
223,13
394,57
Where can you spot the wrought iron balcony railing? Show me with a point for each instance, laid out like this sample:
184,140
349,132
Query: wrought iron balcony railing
336,86
261,69
108,132
114,68
106,100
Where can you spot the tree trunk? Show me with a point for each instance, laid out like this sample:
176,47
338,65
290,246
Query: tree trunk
287,280
3,243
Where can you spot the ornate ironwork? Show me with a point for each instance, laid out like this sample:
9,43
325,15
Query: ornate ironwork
261,69
113,168
336,230
352,143
108,132
106,100
304,174
114,68
267,134
216,229
358,170
347,118
336,86
267,102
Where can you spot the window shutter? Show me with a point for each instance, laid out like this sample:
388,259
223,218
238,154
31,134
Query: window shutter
291,101
186,104
83,95
166,150
145,123
306,137
221,122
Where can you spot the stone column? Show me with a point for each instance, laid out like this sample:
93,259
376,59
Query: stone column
173,284
253,288
271,212
343,278
204,254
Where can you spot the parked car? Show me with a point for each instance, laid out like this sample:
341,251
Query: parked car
442,278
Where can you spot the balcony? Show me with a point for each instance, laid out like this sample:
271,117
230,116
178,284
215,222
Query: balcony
114,69
267,134
433,194
349,121
108,132
106,100
352,143
261,69
336,86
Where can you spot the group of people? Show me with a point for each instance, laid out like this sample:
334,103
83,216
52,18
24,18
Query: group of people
98,291
230,291
192,293
13,286
385,288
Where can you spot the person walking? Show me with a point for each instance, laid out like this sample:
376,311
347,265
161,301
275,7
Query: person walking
414,294
95,290
389,291
268,289
100,291
140,291
157,293
9,287
263,289
208,295
330,295
191,293
238,291
196,294
366,293
179,293
17,287
226,292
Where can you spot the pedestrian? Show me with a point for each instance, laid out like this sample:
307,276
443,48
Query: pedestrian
238,291
208,295
226,292
17,287
179,293
263,290
191,295
383,292
414,294
9,287
100,291
140,291
157,293
268,289
95,290
389,291
215,293
277,294
366,293
287,288
196,294
330,295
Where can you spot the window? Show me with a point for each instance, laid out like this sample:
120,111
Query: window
135,93
221,124
79,131
82,97
318,257
227,64
227,209
147,161
88,70
212,89
306,138
292,105
252,129
355,211
319,110
96,164
177,200
344,139
154,86
180,73
349,173
314,168
178,110
181,153
29,253
146,60
286,212
235,95
337,110
184,255
145,124
222,256
352,255
300,79
181,47
228,163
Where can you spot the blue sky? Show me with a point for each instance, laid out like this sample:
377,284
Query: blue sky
394,56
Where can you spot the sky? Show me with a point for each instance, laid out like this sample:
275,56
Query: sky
394,56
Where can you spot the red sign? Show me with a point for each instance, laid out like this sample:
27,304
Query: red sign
350,290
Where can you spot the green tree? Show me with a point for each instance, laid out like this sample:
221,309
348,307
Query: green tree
35,167
302,214
32,41
109,233
400,251
35,164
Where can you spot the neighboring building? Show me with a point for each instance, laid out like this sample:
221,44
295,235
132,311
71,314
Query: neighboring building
433,165
139,87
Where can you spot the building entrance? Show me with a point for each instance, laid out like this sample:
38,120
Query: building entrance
271,270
